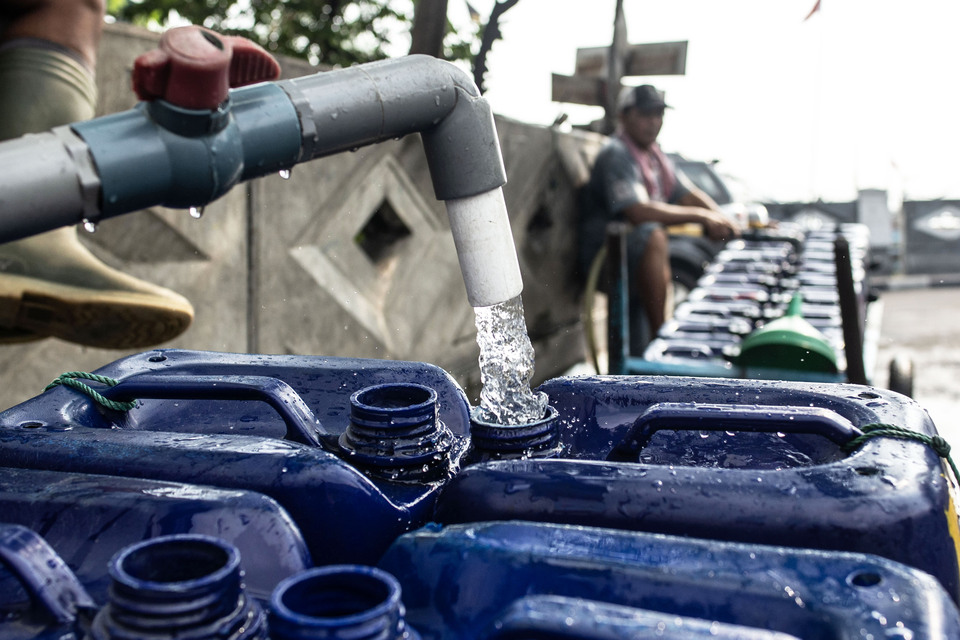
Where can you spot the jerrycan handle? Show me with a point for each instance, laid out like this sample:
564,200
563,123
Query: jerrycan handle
302,425
689,416
43,573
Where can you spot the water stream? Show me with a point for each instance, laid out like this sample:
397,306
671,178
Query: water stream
506,366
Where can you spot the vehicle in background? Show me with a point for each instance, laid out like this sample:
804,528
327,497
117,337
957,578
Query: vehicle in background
690,254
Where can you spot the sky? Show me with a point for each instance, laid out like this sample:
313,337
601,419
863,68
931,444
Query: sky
863,94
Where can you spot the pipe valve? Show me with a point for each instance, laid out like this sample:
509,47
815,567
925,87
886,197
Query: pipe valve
194,68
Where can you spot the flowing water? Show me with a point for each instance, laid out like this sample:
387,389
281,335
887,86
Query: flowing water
506,366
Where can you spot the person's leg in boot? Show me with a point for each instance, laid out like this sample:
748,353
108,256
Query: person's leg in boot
50,284
646,251
651,282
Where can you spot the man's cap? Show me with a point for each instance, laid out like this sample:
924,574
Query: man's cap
645,97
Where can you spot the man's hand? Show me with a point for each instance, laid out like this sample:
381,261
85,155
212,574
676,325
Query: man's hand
719,227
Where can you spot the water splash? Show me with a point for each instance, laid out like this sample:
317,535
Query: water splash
506,366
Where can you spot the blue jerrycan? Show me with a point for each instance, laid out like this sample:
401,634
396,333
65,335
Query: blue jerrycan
767,462
40,597
538,580
358,452
87,518
353,450
490,580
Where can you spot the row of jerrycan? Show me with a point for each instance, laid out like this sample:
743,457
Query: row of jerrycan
489,580
689,506
750,283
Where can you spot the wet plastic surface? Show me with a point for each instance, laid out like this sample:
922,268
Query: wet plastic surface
600,580
780,485
250,449
344,514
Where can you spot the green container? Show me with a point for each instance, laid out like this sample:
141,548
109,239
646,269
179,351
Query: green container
789,343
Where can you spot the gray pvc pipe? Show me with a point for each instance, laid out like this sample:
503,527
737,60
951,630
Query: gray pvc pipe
484,240
47,181
350,108
96,169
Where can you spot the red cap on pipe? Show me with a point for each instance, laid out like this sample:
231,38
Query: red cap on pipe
194,68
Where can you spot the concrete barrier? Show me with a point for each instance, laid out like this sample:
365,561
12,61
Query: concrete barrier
350,256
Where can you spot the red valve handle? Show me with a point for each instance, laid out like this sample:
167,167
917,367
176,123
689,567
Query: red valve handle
194,68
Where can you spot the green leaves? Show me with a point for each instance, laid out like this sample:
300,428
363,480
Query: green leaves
338,33
331,32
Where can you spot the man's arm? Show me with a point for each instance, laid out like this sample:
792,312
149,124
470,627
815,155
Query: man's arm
625,195
695,197
74,24
715,225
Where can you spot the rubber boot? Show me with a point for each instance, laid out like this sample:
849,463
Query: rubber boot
50,284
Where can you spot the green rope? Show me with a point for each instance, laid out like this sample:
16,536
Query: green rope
880,430
72,379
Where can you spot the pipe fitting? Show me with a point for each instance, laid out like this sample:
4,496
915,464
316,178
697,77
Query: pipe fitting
354,107
463,150
48,181
180,157
157,165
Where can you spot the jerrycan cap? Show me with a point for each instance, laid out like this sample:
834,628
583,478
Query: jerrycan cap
789,342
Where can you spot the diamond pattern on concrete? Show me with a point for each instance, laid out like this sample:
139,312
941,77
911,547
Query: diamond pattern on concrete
336,261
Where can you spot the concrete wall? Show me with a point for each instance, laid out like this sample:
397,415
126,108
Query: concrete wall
351,256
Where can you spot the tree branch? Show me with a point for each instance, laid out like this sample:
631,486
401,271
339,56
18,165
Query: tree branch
491,33
429,27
